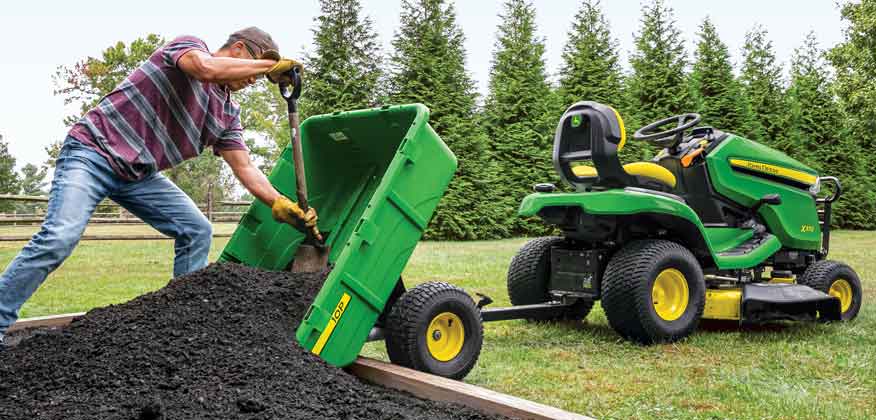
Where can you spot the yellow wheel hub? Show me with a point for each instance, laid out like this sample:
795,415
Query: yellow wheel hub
842,290
670,294
445,336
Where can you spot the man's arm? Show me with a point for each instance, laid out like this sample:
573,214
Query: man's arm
251,177
283,209
209,69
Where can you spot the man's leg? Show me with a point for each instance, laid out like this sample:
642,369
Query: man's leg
159,202
82,179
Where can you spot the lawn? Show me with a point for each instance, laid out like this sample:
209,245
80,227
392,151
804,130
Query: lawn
781,371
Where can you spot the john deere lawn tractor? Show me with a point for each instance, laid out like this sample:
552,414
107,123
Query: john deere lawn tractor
715,226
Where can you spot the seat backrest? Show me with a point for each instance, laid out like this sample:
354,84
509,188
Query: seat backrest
591,132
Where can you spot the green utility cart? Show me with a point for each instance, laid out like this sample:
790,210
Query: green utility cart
375,176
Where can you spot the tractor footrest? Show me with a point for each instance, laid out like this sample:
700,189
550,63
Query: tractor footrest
793,302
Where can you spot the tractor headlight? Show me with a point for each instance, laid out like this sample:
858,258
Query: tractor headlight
816,187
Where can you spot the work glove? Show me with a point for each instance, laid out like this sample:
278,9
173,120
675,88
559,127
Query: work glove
278,73
286,211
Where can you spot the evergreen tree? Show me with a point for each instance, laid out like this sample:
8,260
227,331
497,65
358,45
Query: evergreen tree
854,61
9,182
817,138
763,89
342,72
520,121
855,88
428,66
658,86
718,96
591,69
815,118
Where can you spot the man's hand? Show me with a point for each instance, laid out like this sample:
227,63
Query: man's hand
277,73
286,211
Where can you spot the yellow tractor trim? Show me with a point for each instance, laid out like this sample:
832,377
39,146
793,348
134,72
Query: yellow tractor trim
651,170
584,171
445,336
842,290
643,169
723,304
782,280
787,173
623,131
670,294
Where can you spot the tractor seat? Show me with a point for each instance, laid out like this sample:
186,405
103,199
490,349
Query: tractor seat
586,145
647,170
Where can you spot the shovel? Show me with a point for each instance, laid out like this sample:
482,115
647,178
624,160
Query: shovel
312,254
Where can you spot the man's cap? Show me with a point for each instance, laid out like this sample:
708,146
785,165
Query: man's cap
257,40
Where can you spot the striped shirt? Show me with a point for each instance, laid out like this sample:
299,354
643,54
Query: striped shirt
160,116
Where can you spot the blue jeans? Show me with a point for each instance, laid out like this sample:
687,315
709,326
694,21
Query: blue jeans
82,179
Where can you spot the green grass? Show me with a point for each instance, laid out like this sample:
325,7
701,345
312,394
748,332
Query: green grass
781,371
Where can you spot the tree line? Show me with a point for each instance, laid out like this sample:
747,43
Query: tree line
823,113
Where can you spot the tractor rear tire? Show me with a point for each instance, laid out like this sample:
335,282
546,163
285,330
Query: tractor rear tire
435,328
839,280
529,276
653,291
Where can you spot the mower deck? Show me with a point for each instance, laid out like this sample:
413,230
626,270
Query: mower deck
792,302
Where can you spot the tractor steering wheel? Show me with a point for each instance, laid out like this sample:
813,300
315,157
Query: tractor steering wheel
668,138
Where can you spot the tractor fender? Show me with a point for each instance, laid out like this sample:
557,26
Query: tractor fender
669,211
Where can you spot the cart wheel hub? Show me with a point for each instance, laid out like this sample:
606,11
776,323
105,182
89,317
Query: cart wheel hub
670,294
445,336
842,290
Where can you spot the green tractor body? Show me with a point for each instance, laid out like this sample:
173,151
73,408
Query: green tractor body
753,173
715,226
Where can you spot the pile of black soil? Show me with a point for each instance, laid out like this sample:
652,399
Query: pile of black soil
218,344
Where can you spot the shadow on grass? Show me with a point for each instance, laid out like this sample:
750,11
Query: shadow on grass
783,331
770,332
596,330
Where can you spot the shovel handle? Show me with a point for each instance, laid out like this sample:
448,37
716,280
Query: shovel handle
291,96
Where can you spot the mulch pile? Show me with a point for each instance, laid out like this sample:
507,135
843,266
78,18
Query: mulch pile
218,343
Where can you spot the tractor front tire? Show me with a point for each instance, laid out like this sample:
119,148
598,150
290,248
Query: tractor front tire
838,280
653,291
435,328
529,276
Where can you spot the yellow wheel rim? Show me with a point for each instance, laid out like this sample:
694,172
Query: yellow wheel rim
445,336
842,290
670,294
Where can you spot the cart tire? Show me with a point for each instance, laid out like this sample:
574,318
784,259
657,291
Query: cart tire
839,280
435,328
529,274
653,291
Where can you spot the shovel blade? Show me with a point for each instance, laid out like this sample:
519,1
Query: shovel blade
310,259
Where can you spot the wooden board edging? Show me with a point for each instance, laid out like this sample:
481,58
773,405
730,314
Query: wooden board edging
45,321
423,385
437,388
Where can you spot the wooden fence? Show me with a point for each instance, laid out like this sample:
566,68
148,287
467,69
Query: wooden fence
216,212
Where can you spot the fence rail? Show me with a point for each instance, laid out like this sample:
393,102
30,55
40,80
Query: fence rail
212,210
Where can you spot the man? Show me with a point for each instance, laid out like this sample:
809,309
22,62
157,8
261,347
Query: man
170,109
